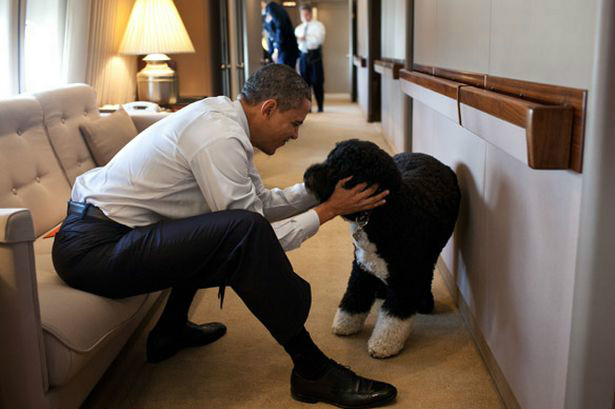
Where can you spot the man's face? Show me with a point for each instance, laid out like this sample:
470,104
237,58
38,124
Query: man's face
306,15
279,127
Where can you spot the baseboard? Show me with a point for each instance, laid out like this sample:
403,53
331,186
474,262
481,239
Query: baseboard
337,95
391,147
506,393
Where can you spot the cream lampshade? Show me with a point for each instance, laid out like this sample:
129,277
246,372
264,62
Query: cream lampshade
155,28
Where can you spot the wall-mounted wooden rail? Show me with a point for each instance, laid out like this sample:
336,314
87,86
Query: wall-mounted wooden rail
542,125
359,61
389,67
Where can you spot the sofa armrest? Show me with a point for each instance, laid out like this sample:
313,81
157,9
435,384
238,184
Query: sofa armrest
23,370
16,226
142,121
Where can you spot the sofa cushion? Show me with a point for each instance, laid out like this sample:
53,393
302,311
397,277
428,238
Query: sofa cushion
107,135
76,324
30,175
64,110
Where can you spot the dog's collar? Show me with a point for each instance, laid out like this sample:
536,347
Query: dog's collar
361,222
363,219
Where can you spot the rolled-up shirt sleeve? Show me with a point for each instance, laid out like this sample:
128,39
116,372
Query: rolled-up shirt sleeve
282,203
228,180
295,230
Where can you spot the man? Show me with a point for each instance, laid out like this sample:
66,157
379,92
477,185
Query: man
282,43
183,207
310,36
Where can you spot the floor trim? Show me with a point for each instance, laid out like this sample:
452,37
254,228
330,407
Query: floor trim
506,393
337,96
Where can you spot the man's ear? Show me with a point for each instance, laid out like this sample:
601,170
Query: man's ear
268,107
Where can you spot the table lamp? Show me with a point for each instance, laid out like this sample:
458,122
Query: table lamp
155,29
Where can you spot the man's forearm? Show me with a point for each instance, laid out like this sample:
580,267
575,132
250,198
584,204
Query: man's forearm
325,212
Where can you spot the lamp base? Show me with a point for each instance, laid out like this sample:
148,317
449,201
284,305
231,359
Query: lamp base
157,82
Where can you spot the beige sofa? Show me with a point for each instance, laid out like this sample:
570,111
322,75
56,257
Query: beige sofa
55,341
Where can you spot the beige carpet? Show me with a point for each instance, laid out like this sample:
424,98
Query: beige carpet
440,367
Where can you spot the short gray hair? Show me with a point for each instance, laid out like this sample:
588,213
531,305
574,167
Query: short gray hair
279,82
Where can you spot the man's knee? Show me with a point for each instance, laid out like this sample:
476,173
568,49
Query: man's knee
251,222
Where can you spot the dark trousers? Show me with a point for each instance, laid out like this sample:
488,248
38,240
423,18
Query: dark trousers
310,67
233,248
287,57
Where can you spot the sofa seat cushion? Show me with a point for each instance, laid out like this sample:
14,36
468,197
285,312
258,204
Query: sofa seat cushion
76,324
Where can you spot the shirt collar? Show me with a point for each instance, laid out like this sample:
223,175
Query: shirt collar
243,119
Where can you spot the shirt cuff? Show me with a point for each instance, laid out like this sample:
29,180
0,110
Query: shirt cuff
311,221
294,231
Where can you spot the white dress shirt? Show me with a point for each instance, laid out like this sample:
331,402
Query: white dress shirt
313,33
197,160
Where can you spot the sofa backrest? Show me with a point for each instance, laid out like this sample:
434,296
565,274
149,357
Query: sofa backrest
30,175
64,109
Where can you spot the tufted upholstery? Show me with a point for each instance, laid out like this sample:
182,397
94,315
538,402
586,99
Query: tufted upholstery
56,341
64,110
30,176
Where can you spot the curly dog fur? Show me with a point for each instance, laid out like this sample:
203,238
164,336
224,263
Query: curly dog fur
396,252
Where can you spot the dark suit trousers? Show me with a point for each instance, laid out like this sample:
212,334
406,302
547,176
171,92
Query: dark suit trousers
287,57
310,67
233,248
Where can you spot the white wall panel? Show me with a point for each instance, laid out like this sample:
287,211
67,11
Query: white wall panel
362,33
514,249
393,107
393,29
425,32
544,41
362,89
532,222
463,34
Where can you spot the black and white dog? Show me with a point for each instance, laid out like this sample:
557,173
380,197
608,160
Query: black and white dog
396,244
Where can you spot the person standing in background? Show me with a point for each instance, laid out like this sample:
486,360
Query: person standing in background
310,36
281,39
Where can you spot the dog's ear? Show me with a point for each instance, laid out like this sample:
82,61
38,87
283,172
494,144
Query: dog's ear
318,180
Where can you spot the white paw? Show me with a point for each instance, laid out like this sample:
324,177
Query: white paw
389,335
346,323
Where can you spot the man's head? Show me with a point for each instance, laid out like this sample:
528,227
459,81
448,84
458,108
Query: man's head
306,12
276,100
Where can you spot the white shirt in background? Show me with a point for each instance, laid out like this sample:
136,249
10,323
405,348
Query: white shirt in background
197,160
313,32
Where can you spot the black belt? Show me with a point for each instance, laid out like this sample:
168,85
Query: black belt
86,209
313,55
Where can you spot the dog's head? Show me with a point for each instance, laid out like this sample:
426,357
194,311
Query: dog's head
362,160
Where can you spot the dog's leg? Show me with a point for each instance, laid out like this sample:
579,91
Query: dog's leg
356,303
393,326
425,302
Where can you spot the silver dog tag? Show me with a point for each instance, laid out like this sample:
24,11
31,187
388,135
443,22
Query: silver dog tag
361,221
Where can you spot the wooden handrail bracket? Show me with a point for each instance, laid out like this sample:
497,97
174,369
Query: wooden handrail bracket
540,125
359,61
388,67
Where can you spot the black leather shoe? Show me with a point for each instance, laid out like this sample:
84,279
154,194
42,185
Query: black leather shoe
162,344
341,387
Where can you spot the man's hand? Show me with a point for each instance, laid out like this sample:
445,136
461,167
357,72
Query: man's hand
347,201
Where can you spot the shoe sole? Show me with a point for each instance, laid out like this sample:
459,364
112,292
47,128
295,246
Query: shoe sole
310,399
